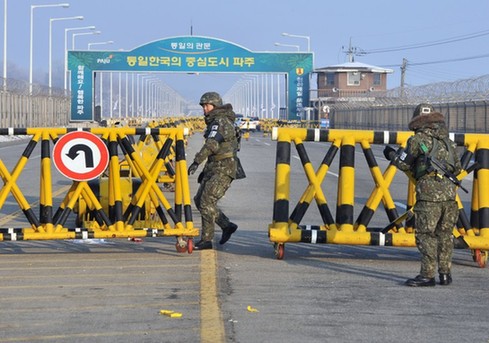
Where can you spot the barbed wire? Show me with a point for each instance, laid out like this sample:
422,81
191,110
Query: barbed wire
24,88
472,89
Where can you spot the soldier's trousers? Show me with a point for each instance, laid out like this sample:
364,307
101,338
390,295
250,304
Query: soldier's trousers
210,191
434,223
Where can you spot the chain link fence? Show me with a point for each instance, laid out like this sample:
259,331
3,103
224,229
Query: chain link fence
465,104
25,105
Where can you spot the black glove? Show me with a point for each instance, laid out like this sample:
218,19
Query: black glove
193,167
389,152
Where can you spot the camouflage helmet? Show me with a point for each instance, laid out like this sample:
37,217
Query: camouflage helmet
423,108
212,98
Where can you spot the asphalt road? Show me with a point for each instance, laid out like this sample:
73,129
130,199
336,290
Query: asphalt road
114,290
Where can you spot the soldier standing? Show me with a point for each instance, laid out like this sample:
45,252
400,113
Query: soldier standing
220,169
435,210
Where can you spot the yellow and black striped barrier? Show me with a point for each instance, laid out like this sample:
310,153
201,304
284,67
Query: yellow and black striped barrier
106,206
287,227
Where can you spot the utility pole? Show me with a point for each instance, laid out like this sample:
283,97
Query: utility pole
352,51
403,74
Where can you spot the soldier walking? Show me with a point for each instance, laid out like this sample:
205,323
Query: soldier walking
219,171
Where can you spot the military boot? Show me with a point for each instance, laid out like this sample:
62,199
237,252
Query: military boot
227,232
203,245
445,279
421,281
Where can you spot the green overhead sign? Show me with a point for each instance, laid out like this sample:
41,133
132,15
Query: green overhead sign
189,54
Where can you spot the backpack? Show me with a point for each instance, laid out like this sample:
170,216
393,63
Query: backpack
444,153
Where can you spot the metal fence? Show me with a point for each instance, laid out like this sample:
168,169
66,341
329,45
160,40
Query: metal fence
465,104
462,117
24,105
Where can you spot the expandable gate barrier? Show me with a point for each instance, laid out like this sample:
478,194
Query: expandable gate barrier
286,227
126,201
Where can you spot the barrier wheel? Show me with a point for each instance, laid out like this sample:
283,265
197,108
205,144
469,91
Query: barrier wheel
181,246
190,245
279,250
480,258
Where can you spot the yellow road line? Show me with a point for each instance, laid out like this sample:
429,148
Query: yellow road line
211,325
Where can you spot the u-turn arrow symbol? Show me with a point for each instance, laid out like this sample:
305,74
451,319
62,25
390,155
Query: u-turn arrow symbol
75,151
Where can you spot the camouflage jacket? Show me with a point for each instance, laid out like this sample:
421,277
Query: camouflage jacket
220,142
430,186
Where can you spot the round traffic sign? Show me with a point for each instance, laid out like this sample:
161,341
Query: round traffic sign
80,156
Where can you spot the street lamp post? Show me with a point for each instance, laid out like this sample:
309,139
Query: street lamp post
300,36
119,100
256,86
138,101
132,95
66,48
145,79
4,43
127,94
82,34
100,75
51,20
101,91
33,7
146,94
73,36
99,43
289,45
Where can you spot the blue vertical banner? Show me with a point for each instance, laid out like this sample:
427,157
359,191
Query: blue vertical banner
190,54
81,94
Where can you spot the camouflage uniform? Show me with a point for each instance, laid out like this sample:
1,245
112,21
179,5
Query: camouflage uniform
220,169
436,210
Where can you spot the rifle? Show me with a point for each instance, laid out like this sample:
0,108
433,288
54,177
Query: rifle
409,213
450,176
405,216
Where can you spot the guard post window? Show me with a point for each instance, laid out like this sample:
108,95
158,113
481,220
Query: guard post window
353,78
329,79
377,79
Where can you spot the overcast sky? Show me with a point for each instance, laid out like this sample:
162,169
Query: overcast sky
452,33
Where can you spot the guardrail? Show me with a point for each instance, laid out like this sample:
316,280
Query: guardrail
286,225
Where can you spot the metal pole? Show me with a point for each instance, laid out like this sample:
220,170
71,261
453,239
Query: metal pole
120,94
4,43
82,34
137,93
31,45
266,96
289,45
300,36
127,97
51,20
272,106
101,77
132,95
66,49
278,96
99,43
111,97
